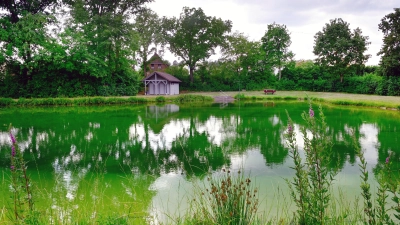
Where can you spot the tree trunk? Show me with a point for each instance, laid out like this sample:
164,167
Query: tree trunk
144,58
280,73
191,74
341,78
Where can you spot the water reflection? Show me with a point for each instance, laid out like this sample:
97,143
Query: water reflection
158,139
69,145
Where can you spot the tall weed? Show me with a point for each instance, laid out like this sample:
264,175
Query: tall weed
21,186
310,188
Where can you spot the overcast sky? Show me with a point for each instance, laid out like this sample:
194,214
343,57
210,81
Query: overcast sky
303,18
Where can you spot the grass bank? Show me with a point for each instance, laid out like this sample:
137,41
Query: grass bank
386,102
376,101
102,100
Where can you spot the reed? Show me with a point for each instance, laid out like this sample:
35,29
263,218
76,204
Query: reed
230,199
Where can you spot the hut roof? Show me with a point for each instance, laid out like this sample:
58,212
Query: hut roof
166,76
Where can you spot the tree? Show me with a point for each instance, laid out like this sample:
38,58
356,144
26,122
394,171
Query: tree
390,51
194,36
103,31
242,53
147,25
23,31
275,43
17,8
337,48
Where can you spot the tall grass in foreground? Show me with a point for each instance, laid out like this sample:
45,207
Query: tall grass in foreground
310,188
379,212
230,199
20,185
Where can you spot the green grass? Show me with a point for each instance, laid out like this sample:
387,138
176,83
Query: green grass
376,101
88,101
385,102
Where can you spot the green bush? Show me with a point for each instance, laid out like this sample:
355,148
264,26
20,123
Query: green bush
239,96
320,85
193,98
286,85
160,99
6,101
393,86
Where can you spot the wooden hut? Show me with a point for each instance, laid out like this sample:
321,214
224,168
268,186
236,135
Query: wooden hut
160,83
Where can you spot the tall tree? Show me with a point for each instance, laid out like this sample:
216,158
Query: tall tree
23,31
241,52
15,9
194,36
103,29
337,48
390,51
148,26
275,43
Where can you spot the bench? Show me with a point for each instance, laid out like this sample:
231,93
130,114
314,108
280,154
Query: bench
269,91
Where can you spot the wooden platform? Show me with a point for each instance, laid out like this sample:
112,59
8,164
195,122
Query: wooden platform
223,99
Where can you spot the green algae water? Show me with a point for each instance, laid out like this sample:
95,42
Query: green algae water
144,161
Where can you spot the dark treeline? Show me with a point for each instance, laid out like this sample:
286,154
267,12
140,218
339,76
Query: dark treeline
68,48
101,48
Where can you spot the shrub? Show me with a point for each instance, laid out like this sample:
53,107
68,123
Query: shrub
239,96
6,101
285,84
160,99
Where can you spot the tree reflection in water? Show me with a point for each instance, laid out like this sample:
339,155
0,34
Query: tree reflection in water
67,149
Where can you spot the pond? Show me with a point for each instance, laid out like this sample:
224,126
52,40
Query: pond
146,160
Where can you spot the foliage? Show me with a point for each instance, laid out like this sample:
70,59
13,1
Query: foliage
231,199
193,36
337,48
275,44
148,26
220,76
367,84
241,53
110,34
160,99
22,42
180,72
16,9
80,61
390,51
310,188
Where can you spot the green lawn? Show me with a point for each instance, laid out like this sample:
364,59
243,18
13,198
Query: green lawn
332,97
